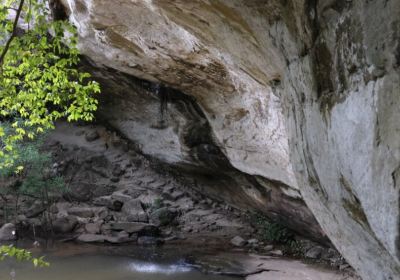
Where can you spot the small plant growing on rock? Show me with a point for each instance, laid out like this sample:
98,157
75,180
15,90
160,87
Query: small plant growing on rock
157,204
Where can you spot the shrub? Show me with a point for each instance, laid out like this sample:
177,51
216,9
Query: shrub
35,180
272,231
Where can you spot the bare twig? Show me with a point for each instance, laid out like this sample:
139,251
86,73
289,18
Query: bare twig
13,33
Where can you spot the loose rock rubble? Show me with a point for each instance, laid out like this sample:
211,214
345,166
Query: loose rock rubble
115,195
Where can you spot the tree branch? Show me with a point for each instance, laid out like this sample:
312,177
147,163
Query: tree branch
13,33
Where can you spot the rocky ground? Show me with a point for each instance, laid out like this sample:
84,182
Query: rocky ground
115,195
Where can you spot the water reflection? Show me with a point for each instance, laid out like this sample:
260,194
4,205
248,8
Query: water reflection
146,267
92,265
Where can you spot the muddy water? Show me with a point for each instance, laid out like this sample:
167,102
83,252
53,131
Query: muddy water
93,264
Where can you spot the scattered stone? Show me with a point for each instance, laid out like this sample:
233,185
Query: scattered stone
314,253
277,253
103,200
253,242
103,190
121,237
134,211
148,180
118,171
93,228
53,209
8,232
91,136
114,179
163,216
91,238
84,212
65,224
187,229
344,266
114,202
269,248
120,196
174,196
330,255
238,241
101,213
79,192
141,228
35,210
21,218
99,170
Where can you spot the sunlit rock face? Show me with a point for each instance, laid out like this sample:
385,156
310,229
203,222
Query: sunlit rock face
304,93
208,51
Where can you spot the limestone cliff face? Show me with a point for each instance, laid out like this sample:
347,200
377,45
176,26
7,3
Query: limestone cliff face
301,93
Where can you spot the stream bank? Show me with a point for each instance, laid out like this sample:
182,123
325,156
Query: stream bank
115,196
105,262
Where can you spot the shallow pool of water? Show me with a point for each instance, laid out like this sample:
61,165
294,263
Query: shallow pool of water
99,266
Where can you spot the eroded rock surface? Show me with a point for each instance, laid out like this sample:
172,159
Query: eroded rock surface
303,93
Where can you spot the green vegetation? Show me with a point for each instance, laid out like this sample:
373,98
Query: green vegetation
157,204
271,231
36,180
21,255
39,82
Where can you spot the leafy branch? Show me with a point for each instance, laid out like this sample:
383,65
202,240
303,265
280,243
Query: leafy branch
13,33
21,255
39,79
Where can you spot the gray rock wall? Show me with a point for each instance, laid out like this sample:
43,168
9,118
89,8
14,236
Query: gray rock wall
303,93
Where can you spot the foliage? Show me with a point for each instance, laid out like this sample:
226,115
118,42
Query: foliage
36,176
39,82
36,180
21,255
271,231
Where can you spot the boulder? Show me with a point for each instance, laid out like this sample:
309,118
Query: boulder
101,213
134,212
121,237
132,227
163,216
276,252
35,210
253,242
238,241
91,238
109,202
269,248
314,252
8,232
83,212
118,171
173,196
103,201
91,136
64,224
79,191
93,228
120,196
